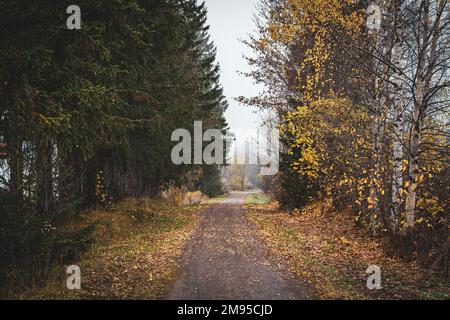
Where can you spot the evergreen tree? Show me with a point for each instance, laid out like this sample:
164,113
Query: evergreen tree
87,115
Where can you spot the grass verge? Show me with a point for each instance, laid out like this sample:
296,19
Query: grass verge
257,198
137,243
215,200
329,251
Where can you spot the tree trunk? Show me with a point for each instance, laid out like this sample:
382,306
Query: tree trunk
410,204
378,135
418,118
397,146
44,176
15,164
377,138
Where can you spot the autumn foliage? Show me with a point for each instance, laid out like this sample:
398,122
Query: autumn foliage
363,114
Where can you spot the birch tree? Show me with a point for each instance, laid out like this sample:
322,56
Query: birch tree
429,46
398,108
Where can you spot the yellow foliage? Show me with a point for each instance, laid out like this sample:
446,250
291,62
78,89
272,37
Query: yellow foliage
310,23
326,133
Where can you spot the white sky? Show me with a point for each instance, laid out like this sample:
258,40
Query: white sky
231,20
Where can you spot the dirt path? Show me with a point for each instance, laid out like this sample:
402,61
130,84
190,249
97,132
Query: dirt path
226,259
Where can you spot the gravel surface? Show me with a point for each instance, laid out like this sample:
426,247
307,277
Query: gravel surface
226,259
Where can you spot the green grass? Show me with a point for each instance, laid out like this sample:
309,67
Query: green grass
257,199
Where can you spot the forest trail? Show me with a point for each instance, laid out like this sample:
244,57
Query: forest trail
226,259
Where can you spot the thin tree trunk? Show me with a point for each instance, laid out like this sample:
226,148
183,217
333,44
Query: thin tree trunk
418,118
15,164
410,203
44,176
397,167
398,109
378,136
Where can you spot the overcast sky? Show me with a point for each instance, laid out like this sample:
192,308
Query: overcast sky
231,20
